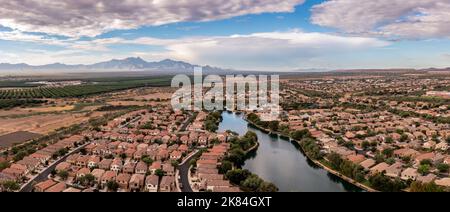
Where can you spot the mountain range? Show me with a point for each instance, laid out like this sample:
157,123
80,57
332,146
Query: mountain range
128,64
164,66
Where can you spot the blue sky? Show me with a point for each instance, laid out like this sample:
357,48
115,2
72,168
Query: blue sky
241,34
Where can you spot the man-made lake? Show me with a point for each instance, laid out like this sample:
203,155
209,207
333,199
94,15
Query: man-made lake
281,162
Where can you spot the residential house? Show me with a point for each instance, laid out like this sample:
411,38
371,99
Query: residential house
167,184
445,182
30,163
426,179
117,165
137,182
155,166
72,159
175,155
42,186
141,168
212,184
367,164
151,183
108,176
356,159
409,174
380,168
64,166
83,172
60,187
394,170
98,174
82,161
168,169
72,190
16,173
129,167
123,180
93,162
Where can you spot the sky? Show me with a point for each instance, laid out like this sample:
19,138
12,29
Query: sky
239,34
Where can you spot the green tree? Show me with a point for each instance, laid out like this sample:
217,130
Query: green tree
123,156
274,125
225,167
174,163
379,158
311,148
193,163
86,180
383,183
63,174
365,145
443,168
62,152
300,134
252,183
267,187
4,165
147,160
335,160
112,186
253,117
236,176
426,162
424,169
159,173
389,152
403,138
19,156
236,156
389,140
53,172
390,161
425,187
10,186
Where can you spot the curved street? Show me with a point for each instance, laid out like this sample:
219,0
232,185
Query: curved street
184,172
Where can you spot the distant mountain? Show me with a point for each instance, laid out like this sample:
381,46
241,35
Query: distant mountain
128,64
437,69
7,66
376,71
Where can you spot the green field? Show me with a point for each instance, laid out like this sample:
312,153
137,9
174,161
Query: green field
91,88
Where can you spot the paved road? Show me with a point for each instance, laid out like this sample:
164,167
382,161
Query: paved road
28,187
184,172
188,121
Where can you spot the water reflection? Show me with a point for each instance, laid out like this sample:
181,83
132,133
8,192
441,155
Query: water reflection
282,162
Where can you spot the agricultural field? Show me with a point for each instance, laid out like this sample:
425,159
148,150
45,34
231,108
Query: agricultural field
91,88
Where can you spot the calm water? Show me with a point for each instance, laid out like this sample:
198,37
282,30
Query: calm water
282,163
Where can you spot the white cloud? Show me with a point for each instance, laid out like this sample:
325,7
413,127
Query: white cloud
391,18
268,51
75,18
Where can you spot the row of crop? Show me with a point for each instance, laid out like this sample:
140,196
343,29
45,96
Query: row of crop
77,91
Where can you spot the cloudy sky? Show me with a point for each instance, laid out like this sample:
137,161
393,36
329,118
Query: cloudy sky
240,34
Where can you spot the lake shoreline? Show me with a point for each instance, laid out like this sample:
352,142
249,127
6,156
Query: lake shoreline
316,162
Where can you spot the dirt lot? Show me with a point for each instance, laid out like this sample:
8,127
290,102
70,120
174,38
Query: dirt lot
43,124
17,138
47,118
29,111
